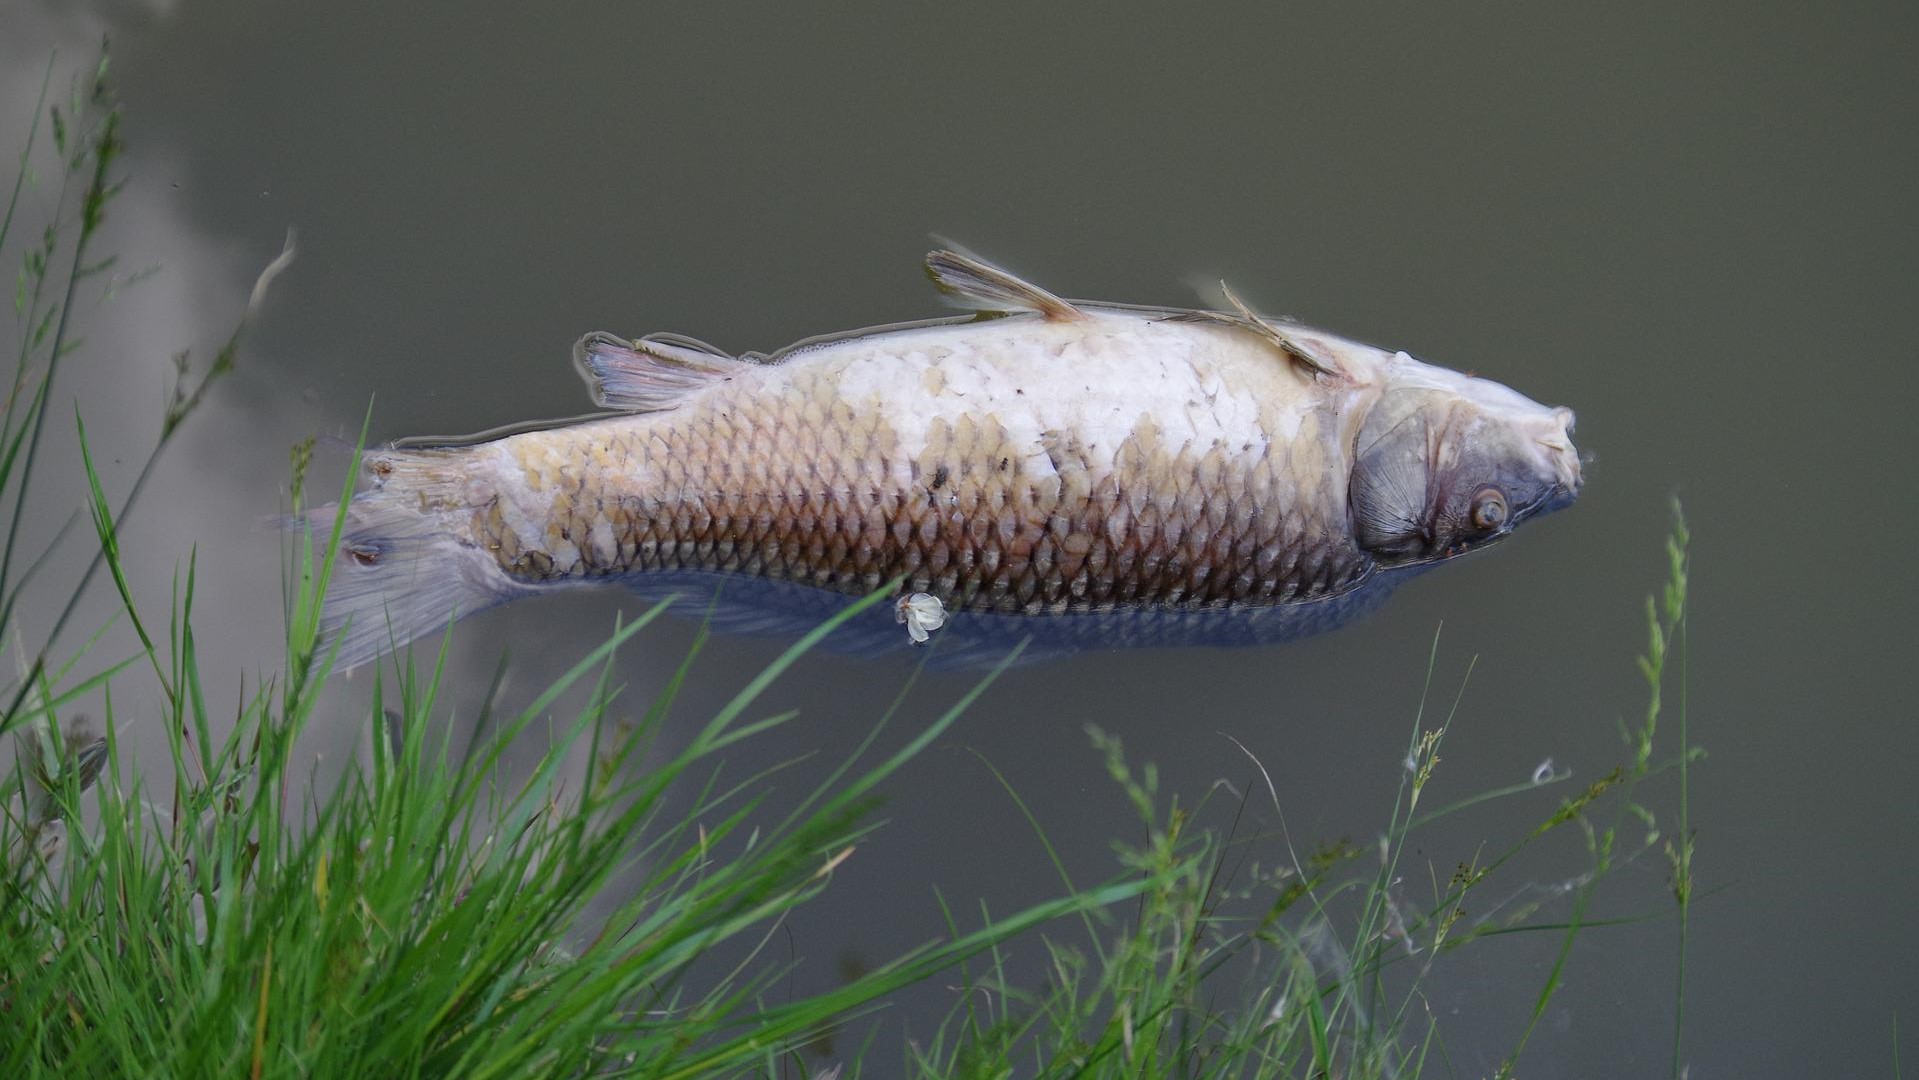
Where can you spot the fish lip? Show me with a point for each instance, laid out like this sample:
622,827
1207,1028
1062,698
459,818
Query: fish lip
1558,497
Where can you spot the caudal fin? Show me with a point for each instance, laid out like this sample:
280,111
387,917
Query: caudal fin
407,564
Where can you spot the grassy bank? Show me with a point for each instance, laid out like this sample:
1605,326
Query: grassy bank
425,916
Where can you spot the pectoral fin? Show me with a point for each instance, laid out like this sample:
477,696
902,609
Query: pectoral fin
652,374
977,284
1312,360
1301,354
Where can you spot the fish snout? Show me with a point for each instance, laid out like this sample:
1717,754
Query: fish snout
1562,458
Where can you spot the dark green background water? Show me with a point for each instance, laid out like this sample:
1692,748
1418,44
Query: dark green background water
1693,226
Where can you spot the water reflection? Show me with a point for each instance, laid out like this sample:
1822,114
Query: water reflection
974,641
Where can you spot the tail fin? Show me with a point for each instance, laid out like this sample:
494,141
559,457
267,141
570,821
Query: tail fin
408,564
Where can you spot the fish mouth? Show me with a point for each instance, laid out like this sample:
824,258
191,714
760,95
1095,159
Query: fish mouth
1557,497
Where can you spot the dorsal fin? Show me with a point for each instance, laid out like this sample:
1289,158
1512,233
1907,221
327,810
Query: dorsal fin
1312,360
652,374
978,284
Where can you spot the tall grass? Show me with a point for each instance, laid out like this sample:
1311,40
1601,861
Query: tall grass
425,916
1248,958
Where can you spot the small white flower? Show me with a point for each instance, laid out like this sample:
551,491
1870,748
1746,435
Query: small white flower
922,613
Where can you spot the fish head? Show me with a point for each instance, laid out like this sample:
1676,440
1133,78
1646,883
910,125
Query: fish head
1446,463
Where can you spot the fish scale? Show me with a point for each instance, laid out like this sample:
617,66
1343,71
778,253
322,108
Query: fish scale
819,505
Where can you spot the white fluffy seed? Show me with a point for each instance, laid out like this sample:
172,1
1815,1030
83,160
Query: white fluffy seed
922,613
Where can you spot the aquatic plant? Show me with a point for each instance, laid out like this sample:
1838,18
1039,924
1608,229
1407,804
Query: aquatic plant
427,915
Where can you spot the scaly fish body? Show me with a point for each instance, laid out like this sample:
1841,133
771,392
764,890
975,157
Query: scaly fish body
1063,459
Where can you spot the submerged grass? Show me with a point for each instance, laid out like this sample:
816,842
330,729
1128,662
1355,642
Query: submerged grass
425,916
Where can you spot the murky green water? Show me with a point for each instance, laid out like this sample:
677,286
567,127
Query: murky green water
1694,227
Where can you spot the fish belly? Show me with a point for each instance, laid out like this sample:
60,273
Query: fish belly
1011,466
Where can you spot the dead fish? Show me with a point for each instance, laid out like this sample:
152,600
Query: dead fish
1041,459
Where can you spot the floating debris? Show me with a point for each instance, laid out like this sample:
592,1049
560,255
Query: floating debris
922,613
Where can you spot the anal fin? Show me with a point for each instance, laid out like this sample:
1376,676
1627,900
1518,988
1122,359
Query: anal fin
652,374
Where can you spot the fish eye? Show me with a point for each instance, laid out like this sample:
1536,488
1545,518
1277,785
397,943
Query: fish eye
1489,509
